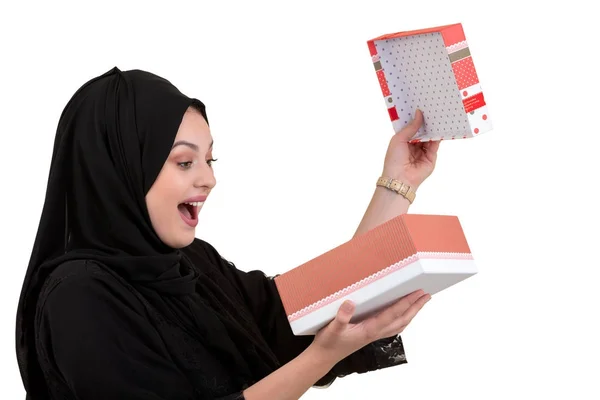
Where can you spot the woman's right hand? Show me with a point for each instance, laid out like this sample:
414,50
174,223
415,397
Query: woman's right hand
340,338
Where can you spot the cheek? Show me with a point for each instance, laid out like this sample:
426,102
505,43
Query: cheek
164,197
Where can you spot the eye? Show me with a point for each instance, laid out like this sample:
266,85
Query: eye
186,164
211,161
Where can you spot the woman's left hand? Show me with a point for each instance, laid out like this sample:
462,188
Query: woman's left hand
410,163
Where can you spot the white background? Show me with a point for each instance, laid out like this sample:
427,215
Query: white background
301,130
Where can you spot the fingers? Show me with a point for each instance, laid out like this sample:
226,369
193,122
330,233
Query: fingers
398,325
431,147
396,314
410,129
343,316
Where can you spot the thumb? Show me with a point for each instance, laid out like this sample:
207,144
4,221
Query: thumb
410,130
344,315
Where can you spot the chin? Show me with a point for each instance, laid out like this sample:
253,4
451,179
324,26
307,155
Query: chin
184,241
180,240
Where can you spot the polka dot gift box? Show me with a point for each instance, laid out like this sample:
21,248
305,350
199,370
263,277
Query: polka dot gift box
432,70
404,254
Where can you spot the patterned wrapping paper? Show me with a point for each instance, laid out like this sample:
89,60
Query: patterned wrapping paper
409,252
433,70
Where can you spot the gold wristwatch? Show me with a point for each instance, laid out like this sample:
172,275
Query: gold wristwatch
398,187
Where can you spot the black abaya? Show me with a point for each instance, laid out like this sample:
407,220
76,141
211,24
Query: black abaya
109,311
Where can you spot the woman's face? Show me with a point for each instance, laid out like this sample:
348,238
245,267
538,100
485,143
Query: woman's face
184,182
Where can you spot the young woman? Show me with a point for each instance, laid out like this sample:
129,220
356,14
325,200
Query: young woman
121,301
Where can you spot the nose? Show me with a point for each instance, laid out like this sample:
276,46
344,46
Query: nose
205,177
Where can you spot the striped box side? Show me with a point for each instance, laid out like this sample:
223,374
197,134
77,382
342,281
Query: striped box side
345,265
436,233
463,66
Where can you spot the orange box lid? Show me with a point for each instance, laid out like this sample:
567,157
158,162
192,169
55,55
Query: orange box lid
391,242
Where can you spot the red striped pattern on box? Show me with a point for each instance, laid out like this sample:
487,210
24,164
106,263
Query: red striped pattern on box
367,254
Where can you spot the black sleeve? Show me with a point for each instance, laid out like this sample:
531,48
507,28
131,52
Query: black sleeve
262,297
103,346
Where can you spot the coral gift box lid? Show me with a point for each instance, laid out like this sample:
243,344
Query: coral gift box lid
404,254
433,70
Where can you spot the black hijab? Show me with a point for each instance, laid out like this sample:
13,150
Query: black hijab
112,140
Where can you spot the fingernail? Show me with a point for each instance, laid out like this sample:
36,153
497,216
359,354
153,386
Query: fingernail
347,306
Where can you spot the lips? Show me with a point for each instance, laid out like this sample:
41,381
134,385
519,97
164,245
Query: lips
188,213
200,199
188,210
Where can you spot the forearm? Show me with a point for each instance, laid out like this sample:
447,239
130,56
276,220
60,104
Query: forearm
385,205
293,379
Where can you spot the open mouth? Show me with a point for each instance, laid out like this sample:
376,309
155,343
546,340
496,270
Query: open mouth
189,212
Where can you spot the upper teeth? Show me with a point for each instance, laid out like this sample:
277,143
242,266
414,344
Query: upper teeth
194,203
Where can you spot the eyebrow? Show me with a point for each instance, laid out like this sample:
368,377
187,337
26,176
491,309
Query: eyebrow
190,145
